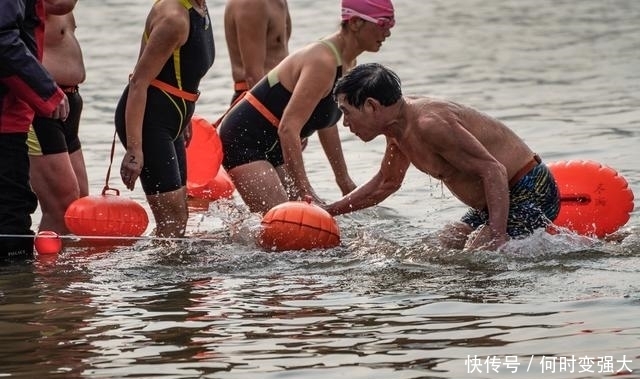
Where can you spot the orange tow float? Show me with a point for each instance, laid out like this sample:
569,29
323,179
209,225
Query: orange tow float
595,200
298,225
206,179
106,215
204,152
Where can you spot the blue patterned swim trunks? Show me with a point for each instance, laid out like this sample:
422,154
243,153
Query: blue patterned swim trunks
534,202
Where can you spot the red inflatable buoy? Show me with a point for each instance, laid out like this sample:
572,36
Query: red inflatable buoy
47,242
204,152
298,225
220,187
594,199
106,215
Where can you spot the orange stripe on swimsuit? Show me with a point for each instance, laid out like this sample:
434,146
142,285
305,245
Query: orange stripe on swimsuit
262,109
193,97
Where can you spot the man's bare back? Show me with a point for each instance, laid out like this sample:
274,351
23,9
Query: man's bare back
257,34
435,139
509,191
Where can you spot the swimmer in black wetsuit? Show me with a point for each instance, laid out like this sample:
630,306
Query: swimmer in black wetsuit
253,137
261,135
157,105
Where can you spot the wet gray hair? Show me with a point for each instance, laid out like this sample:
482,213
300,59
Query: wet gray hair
369,80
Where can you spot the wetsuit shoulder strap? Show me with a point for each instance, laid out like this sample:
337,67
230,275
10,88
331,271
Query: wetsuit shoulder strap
334,49
272,77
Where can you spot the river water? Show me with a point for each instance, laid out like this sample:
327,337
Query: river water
386,303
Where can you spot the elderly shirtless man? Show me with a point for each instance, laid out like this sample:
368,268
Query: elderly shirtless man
257,34
484,164
58,173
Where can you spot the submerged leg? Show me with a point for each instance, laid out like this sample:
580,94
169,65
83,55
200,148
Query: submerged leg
454,235
170,212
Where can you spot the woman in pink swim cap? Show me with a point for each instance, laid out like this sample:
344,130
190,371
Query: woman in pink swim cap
261,135
376,11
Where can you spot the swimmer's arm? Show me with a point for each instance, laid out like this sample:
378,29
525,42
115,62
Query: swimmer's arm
289,24
464,151
168,30
330,141
315,81
386,181
251,31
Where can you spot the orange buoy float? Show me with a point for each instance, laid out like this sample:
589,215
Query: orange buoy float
220,187
298,225
204,152
47,242
595,200
106,215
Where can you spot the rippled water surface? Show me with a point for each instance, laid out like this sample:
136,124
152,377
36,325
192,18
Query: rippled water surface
388,302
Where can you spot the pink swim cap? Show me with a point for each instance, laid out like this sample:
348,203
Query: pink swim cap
371,8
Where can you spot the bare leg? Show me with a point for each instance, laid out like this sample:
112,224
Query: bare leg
79,168
287,182
259,186
454,236
170,212
54,182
